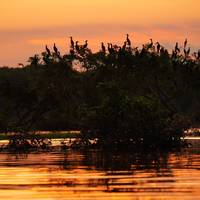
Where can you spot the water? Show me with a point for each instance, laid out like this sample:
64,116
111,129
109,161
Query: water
94,175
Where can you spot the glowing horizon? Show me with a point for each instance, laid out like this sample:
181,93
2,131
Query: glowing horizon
27,26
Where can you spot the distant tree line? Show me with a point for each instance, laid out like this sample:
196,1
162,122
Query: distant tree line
120,94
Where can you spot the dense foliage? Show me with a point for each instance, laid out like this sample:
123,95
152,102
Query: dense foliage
121,94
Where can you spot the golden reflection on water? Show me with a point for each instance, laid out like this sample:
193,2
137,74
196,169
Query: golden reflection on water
90,175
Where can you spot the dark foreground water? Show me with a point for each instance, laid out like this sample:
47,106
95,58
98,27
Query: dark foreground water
93,175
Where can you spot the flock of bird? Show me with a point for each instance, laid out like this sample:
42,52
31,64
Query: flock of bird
110,49
75,47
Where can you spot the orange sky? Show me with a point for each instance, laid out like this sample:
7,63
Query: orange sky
28,25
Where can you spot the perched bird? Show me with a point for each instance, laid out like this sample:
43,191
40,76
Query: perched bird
128,40
150,44
174,54
34,60
124,46
48,51
198,54
103,48
77,46
136,51
143,51
55,48
185,43
72,42
158,47
85,45
177,49
110,48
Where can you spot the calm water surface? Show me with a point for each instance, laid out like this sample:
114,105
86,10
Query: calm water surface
93,175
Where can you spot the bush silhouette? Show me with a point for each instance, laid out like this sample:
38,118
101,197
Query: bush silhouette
120,94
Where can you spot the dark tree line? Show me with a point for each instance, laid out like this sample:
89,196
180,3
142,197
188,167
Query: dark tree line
120,94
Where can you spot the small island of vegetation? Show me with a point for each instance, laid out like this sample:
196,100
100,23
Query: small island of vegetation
122,96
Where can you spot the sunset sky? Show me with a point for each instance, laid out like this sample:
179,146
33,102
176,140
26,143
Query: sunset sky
28,25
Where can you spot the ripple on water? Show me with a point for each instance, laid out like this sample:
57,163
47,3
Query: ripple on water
100,175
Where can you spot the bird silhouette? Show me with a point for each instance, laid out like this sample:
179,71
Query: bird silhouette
198,54
55,48
158,47
77,46
72,42
150,44
103,48
185,43
128,40
177,49
136,51
34,60
86,44
143,51
110,48
48,51
124,46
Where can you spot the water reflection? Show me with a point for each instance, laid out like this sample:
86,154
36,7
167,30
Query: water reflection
100,175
